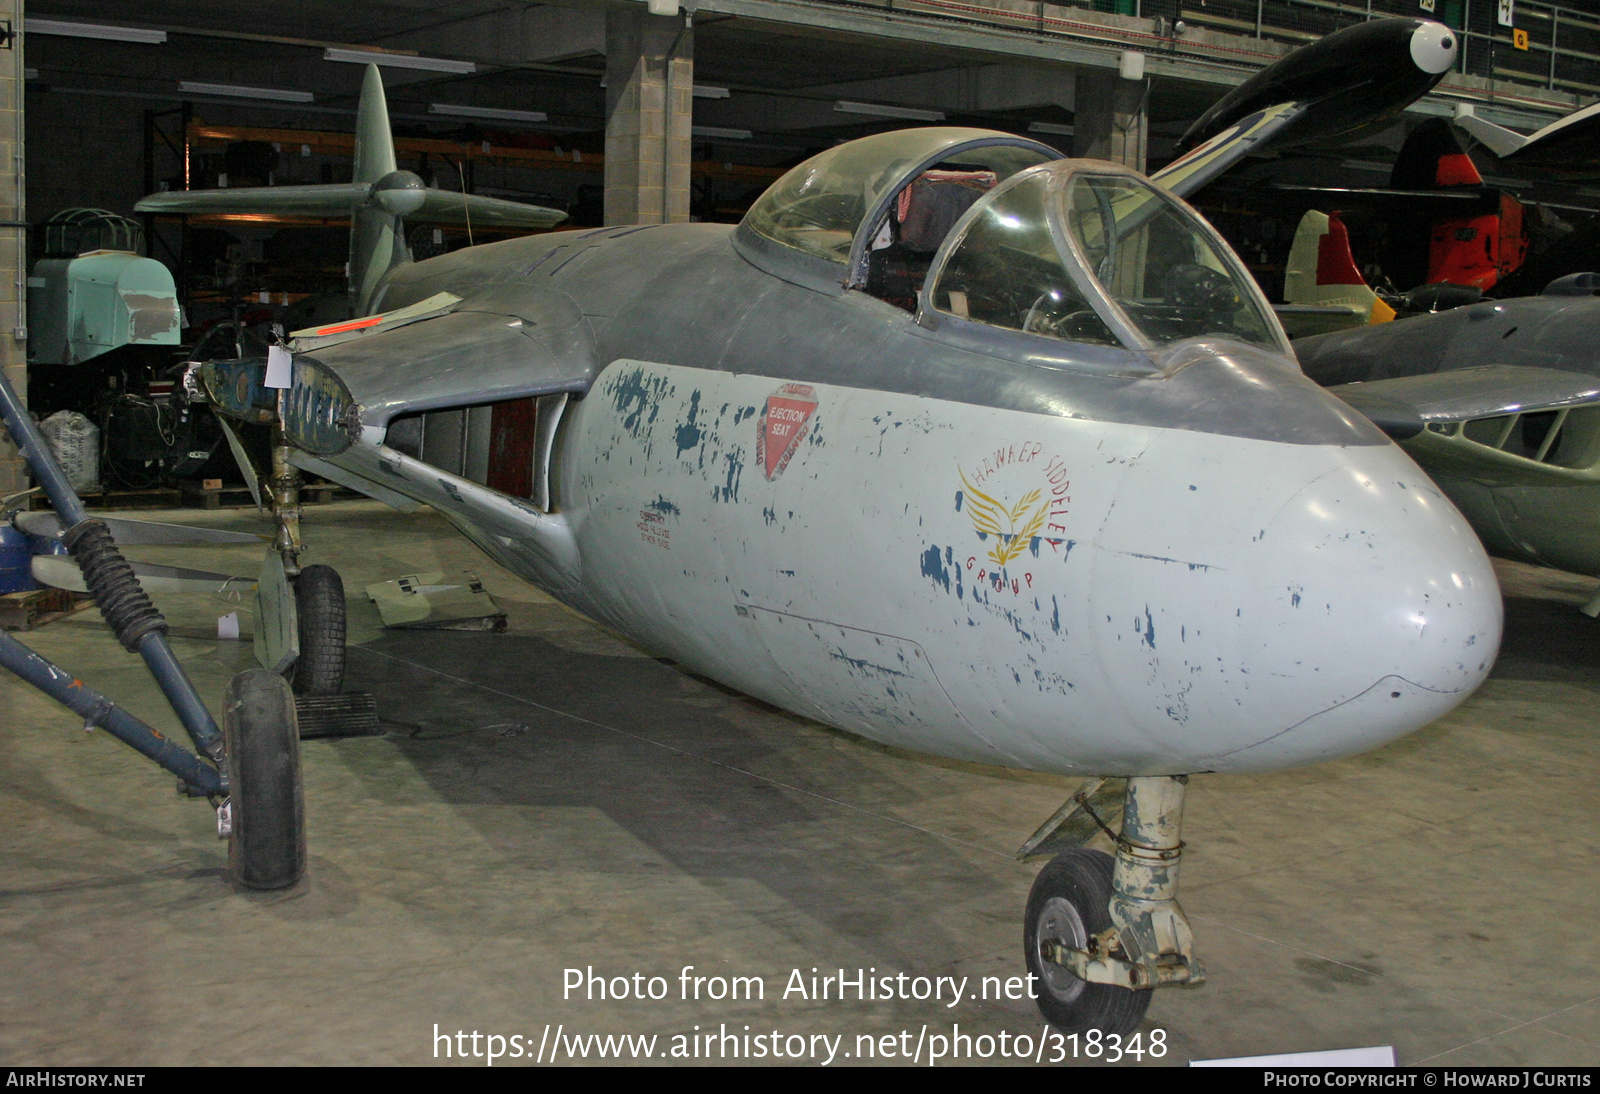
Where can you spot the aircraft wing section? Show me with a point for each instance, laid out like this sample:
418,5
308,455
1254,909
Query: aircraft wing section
1569,146
1188,173
460,210
402,195
1496,423
1463,395
505,342
331,200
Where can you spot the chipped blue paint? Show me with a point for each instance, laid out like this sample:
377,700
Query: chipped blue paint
787,573
1055,615
1294,597
769,515
1016,625
934,568
729,491
689,432
862,665
1149,631
742,413
1193,566
662,505
960,496
633,394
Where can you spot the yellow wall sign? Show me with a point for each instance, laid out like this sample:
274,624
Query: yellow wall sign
1519,39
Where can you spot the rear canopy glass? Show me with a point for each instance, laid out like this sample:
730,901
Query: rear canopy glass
817,208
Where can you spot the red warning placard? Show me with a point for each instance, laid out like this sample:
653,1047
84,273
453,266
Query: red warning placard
782,425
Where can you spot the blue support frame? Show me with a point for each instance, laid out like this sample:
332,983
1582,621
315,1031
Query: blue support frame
201,777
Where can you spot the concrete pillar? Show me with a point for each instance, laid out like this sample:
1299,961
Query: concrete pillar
1111,119
649,109
13,241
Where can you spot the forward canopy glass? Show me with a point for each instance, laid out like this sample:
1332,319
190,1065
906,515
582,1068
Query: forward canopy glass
1099,259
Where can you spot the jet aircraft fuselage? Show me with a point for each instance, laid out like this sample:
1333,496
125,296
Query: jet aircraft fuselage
1091,554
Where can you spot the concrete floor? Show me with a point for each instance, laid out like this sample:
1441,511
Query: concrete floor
553,798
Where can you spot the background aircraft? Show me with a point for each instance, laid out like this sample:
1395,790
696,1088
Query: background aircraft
1075,510
1499,402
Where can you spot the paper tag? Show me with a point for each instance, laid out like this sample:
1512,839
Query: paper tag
228,626
280,367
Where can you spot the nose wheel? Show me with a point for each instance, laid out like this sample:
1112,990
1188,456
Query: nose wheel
1070,904
1102,932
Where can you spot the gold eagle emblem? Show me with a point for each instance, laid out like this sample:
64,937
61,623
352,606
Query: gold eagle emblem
988,513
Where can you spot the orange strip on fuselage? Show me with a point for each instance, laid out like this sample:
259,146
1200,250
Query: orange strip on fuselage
357,324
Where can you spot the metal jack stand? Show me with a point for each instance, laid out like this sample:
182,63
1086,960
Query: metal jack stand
249,770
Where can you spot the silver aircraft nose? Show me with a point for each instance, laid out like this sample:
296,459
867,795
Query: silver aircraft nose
1334,602
1378,600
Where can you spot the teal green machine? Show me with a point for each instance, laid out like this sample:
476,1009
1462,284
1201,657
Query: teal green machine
94,293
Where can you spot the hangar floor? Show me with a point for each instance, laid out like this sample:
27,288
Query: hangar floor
552,798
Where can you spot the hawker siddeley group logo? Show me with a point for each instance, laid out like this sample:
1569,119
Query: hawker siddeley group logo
1010,529
782,425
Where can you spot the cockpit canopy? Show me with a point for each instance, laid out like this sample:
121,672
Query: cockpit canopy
983,233
816,225
1092,253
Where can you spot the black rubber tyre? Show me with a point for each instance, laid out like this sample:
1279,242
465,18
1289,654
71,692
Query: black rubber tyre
319,603
267,848
1070,901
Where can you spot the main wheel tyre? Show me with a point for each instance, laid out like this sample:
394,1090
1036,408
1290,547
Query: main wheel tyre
267,843
319,604
1070,901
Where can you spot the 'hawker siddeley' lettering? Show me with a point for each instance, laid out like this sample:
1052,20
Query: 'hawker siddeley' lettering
861,984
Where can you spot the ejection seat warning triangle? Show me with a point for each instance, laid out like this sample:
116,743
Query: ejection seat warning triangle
782,426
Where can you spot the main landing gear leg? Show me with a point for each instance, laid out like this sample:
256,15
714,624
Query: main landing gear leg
1102,932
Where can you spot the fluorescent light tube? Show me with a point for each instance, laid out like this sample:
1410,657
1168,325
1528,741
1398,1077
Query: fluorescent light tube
237,91
720,132
1050,127
93,30
492,113
398,60
878,111
705,91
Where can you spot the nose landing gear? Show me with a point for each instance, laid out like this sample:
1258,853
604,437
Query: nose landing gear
1102,932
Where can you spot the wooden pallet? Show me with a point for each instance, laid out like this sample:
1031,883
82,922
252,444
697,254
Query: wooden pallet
25,611
315,493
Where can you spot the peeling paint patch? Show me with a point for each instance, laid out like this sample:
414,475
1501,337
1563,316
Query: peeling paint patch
860,664
934,567
689,432
729,491
634,394
662,505
1148,631
1176,561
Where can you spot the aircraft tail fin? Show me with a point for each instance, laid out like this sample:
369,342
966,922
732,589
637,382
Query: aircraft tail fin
378,200
1433,159
1322,272
374,139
